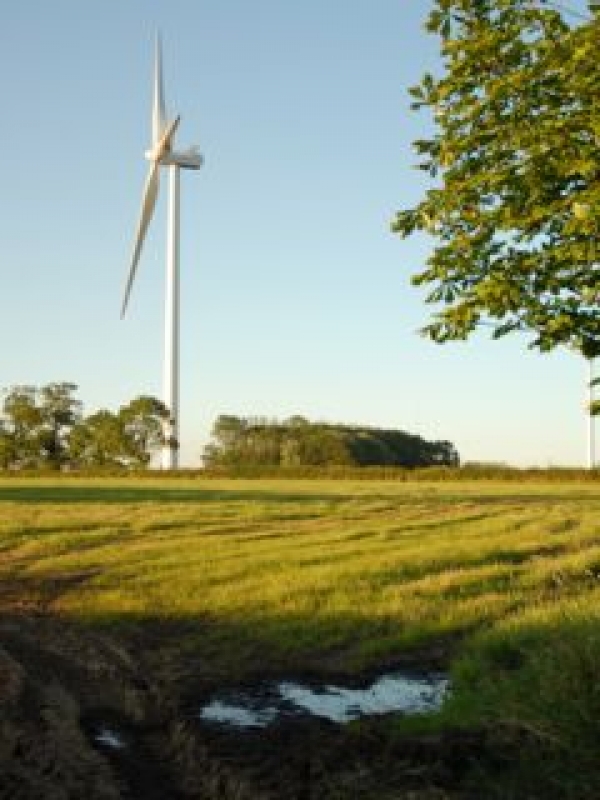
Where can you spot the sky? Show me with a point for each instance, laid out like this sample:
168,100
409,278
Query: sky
296,297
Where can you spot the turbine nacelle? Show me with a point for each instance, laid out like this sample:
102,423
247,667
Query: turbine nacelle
187,159
162,152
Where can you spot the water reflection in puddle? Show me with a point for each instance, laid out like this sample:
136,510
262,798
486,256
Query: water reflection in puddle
241,717
109,738
410,695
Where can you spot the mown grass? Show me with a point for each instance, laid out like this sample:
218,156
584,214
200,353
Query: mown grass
261,574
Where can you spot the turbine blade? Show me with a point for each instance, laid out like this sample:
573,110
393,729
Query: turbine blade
148,204
159,116
163,145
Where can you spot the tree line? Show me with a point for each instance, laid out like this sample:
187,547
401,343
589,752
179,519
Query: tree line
45,428
255,441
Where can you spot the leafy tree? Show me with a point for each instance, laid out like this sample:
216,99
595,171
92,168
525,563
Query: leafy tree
36,423
44,427
142,423
60,410
126,438
7,446
98,440
515,209
323,445
21,426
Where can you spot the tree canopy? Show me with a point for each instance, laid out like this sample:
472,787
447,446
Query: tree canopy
35,424
515,160
44,427
298,442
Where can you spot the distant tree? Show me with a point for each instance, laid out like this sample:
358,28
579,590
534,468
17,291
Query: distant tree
261,444
142,423
323,445
44,427
443,453
230,441
290,454
297,442
515,207
21,425
296,421
369,447
98,440
127,438
36,423
228,429
7,447
60,410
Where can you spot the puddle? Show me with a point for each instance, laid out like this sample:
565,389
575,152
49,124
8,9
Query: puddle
109,738
394,692
238,715
389,693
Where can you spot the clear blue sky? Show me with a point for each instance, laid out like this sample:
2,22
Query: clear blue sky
296,297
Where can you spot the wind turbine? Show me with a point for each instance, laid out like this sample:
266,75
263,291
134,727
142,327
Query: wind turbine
591,420
162,153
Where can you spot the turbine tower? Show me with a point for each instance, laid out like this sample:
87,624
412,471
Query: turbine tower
162,153
591,420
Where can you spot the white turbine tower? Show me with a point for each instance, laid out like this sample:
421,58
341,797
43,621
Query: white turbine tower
591,419
162,153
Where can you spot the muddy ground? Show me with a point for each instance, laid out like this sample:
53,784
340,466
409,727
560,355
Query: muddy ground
62,688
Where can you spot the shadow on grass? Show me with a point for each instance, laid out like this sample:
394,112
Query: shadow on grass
211,649
114,494
124,492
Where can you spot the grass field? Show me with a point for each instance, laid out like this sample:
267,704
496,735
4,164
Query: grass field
501,580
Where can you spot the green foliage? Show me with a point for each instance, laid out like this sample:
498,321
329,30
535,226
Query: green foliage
142,428
298,443
516,208
60,411
44,428
36,423
97,440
